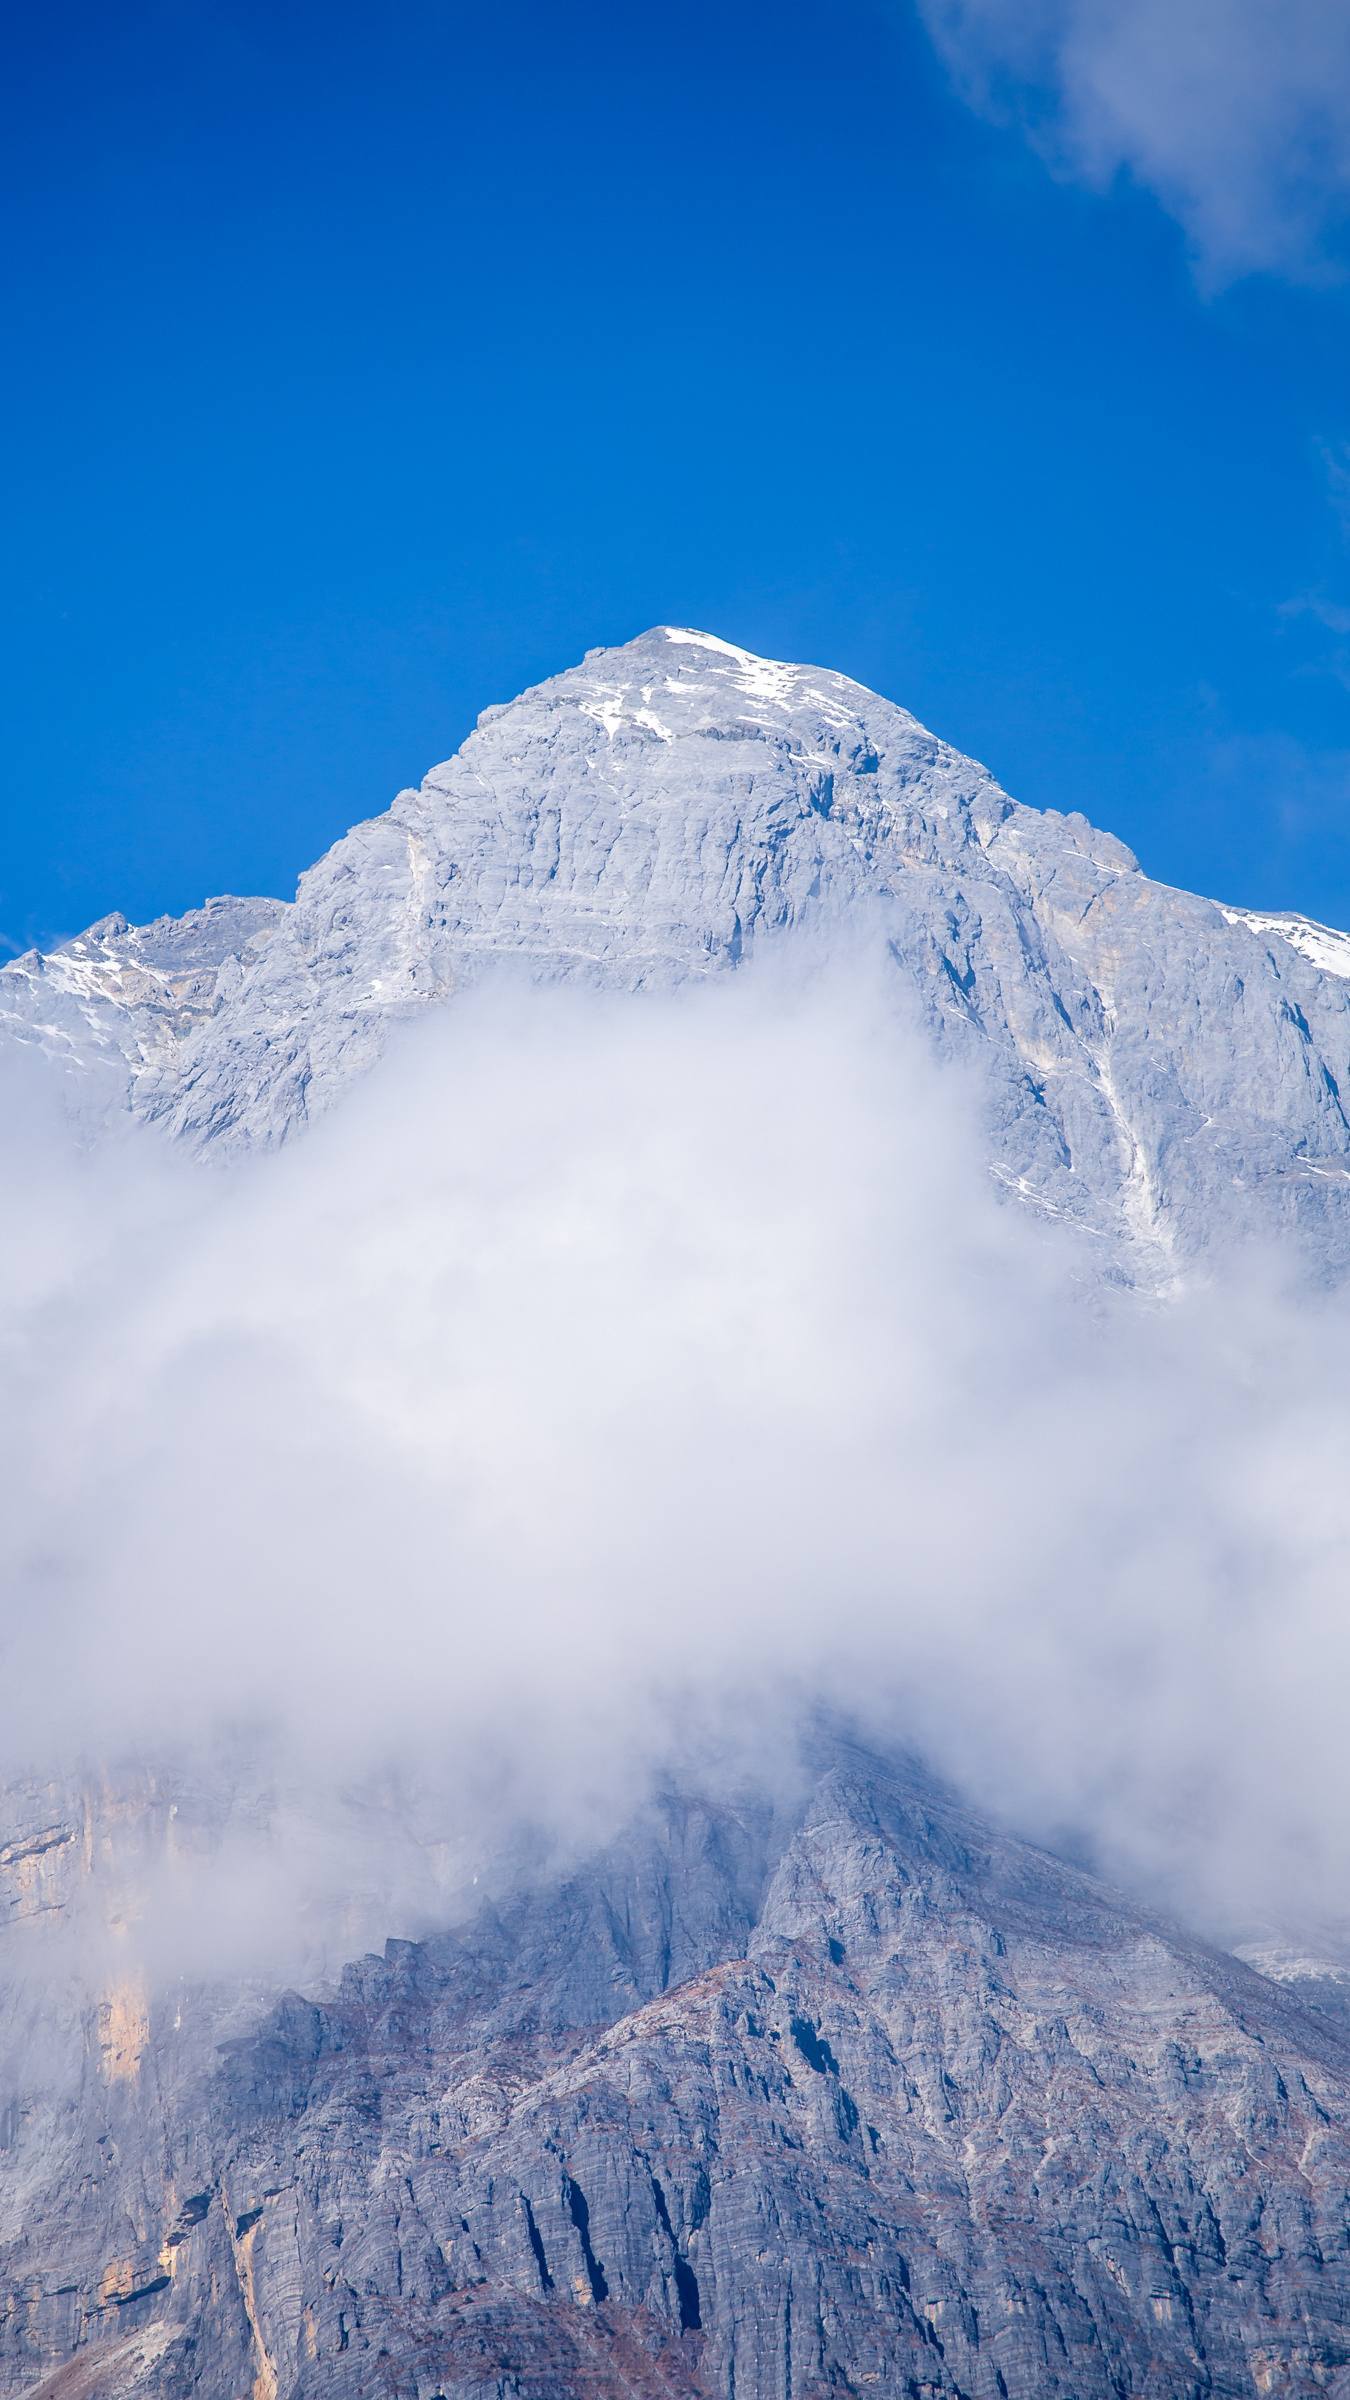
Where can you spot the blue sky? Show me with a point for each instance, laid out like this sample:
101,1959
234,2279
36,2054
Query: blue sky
374,363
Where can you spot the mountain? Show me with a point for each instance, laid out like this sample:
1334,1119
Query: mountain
831,2086
1161,1069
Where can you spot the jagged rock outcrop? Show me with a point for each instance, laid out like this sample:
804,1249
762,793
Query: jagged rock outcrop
119,997
861,2095
1160,1069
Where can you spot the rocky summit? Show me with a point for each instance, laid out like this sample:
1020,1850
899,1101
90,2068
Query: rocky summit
832,2087
1161,1069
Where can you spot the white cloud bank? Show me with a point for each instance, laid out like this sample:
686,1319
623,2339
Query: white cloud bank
603,1386
1235,114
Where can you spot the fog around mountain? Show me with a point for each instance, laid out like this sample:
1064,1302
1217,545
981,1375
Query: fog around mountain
608,1386
644,1436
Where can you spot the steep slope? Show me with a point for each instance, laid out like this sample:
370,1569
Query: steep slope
1159,1068
871,2098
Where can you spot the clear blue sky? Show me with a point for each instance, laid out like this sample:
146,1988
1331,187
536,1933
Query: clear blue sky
369,363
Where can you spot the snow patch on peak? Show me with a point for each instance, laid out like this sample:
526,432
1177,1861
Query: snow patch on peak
611,709
608,712
713,641
837,698
760,678
1322,945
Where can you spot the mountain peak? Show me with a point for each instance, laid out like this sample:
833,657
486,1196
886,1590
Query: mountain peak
660,638
770,674
694,680
653,815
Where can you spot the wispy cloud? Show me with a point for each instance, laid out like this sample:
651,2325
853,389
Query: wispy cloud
1319,607
1336,463
1235,114
1333,614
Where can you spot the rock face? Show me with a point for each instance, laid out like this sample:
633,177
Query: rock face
853,2095
1159,1067
109,1004
847,2093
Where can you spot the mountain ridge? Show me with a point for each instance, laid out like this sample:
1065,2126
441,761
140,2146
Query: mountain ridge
1161,1070
833,2085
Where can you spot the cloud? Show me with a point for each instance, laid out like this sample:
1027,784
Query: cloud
1333,614
605,1388
1319,607
1336,464
1234,114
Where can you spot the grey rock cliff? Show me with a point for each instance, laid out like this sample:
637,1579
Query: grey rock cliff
1160,1067
857,2096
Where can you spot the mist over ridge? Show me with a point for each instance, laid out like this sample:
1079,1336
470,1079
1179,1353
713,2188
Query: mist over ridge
611,1382
630,1359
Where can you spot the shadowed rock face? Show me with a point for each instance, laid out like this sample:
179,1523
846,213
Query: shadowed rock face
860,2096
1159,1068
